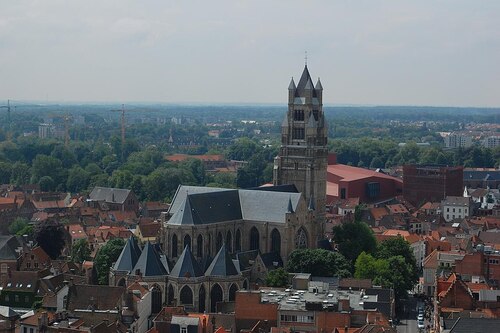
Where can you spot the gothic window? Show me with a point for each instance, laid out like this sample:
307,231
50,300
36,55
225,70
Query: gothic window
229,241
301,239
219,241
187,241
186,296
216,295
298,115
156,301
298,133
276,241
232,292
238,240
199,246
201,299
245,285
174,245
254,239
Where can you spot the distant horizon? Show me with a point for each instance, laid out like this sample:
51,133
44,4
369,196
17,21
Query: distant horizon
240,104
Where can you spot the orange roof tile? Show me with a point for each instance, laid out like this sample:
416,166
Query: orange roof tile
349,173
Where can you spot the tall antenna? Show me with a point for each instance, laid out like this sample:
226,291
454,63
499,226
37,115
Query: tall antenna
9,125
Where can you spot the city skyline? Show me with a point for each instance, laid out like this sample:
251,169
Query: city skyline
383,53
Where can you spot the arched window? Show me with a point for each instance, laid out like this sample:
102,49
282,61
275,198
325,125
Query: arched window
199,246
254,239
201,300
121,282
187,241
209,247
186,296
229,241
156,299
232,292
301,239
174,245
219,241
216,295
238,241
276,241
170,295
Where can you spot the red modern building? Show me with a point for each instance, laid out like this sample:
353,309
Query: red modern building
344,182
423,183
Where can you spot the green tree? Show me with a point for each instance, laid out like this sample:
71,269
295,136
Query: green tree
318,262
243,149
47,184
398,246
277,278
5,172
20,174
50,237
352,238
80,251
47,166
106,256
18,224
27,230
78,179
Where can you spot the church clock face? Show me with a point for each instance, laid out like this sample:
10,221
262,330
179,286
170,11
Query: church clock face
301,239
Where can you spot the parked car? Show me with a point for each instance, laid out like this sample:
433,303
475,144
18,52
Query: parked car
420,324
420,317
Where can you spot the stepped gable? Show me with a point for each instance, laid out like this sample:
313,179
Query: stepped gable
129,256
149,263
222,265
186,266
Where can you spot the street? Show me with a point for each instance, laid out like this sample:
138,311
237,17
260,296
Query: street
408,321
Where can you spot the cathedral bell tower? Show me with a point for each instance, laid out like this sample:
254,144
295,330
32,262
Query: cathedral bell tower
303,155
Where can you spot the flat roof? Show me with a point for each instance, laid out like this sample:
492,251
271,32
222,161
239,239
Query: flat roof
349,173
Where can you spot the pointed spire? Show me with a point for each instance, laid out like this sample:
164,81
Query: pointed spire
290,206
186,266
318,85
292,85
149,263
222,265
311,203
309,85
129,256
312,121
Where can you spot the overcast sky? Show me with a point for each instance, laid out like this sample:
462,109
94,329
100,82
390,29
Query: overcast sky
207,51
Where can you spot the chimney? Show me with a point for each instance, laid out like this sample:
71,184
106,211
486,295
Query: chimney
346,329
332,158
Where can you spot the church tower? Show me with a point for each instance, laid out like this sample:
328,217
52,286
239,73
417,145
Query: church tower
303,155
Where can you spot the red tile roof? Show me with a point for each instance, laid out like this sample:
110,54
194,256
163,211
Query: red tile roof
349,173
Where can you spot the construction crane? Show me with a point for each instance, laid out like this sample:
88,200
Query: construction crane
8,117
122,110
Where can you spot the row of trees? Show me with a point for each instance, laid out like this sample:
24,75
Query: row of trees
381,153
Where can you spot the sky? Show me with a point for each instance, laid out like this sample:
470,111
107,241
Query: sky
366,52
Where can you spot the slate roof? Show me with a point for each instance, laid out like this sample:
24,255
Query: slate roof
467,325
129,256
149,263
108,194
305,82
269,259
186,266
94,296
222,265
8,312
229,205
8,247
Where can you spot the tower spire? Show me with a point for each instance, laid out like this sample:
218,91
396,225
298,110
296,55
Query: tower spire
305,59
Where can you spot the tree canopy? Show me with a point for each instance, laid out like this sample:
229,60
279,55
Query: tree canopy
80,251
277,278
50,236
106,256
352,238
318,262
